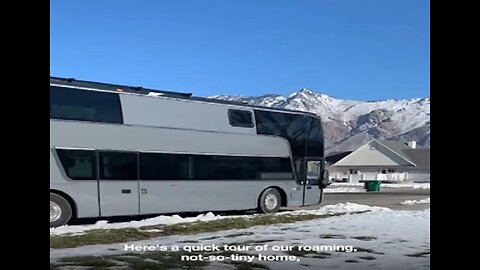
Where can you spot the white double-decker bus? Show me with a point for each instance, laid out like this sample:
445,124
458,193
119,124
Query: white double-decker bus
119,151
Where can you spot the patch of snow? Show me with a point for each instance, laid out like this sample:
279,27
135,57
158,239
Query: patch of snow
339,208
154,94
402,185
346,208
160,220
412,202
343,190
422,185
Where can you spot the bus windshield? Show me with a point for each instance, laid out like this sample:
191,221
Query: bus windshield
304,132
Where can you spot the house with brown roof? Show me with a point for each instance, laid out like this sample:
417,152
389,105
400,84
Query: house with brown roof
384,160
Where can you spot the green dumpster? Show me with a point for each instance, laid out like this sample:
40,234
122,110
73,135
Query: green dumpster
372,186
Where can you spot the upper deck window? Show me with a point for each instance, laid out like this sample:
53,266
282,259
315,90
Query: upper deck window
304,133
240,118
289,126
84,105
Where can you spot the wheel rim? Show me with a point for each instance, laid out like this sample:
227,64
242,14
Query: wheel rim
271,201
55,211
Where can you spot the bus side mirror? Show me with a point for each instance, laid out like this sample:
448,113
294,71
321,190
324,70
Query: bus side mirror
325,181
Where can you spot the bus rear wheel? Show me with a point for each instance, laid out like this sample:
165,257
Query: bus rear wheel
60,210
269,201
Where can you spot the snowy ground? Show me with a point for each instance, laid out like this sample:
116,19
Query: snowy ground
358,187
342,190
160,220
175,219
412,202
404,185
384,239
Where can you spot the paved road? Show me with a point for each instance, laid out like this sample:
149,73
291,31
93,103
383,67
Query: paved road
387,197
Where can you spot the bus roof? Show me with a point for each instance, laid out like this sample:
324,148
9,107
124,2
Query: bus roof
146,91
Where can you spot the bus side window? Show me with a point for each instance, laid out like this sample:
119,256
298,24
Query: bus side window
78,164
240,118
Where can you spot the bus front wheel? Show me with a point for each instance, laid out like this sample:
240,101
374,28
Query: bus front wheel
269,201
60,210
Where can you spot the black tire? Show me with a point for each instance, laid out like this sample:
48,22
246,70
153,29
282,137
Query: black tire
269,201
65,215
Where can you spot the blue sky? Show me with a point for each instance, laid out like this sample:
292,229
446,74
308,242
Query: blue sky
366,50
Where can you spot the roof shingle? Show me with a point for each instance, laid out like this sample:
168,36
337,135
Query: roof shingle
420,156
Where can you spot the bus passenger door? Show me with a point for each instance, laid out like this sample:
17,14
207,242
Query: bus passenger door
118,184
311,189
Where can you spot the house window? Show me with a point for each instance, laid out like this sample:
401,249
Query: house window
353,171
383,171
391,170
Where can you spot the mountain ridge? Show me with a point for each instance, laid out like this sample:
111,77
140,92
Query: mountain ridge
349,124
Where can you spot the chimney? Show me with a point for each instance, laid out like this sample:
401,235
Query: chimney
412,144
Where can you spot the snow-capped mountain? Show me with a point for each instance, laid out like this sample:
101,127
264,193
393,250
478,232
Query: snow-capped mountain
349,124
